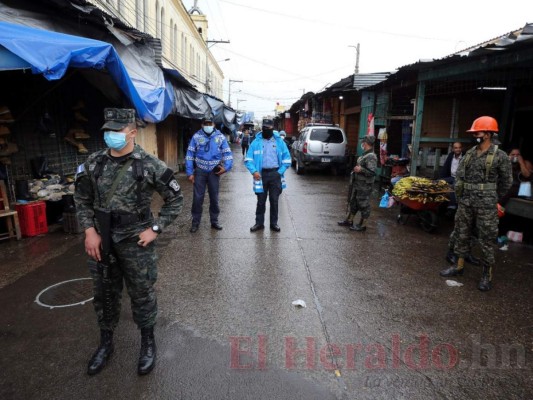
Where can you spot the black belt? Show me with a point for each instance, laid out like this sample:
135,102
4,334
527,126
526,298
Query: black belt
120,219
269,169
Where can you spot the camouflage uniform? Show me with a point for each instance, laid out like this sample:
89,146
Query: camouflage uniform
133,263
362,184
478,195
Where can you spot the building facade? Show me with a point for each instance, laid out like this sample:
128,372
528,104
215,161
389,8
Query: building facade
183,36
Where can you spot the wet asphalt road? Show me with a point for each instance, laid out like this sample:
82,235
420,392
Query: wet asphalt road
379,323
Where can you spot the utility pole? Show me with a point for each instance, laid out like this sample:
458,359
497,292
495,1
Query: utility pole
356,70
229,90
207,46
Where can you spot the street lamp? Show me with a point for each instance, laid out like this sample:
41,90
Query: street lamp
229,90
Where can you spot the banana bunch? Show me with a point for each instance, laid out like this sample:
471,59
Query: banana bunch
421,189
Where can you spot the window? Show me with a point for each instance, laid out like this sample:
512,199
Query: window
327,135
183,51
175,48
139,11
171,35
157,20
145,16
162,31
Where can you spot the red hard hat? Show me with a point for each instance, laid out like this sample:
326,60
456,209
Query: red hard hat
484,124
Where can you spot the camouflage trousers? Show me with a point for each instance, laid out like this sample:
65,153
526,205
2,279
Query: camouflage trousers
453,239
137,266
471,219
360,201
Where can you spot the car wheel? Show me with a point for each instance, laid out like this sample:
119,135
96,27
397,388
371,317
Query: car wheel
299,167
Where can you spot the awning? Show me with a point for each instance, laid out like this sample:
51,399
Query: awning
51,54
190,104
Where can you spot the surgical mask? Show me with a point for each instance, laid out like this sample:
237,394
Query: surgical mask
115,140
477,140
208,129
267,133
514,159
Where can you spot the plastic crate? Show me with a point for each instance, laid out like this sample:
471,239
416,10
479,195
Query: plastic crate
71,223
32,217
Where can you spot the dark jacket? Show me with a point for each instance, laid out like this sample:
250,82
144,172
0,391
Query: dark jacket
446,170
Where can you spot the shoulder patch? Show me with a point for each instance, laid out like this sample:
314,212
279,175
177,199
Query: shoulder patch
174,185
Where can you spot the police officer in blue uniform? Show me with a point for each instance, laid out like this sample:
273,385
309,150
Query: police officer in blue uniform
208,157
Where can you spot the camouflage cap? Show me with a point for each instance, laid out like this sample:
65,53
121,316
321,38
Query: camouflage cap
117,118
369,139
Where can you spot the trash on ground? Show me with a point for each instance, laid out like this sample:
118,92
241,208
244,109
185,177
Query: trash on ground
453,283
299,303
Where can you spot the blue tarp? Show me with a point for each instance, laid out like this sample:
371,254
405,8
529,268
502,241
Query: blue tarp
51,54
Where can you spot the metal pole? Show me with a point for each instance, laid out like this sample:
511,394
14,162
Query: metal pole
229,90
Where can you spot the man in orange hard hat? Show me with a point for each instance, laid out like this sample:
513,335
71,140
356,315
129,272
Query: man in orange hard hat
483,176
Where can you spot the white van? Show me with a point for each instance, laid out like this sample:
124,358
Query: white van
320,146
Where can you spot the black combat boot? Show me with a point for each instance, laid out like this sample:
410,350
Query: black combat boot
359,227
347,222
147,355
454,270
102,353
451,257
472,260
485,283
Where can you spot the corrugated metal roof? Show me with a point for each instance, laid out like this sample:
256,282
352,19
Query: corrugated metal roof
361,81
497,44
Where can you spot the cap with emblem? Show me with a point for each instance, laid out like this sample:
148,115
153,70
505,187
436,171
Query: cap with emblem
206,120
268,123
118,118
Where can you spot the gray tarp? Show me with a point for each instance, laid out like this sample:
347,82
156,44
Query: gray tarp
190,104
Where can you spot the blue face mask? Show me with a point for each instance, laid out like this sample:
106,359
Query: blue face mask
208,129
115,140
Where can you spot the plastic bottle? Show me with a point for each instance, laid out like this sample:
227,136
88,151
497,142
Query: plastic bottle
258,186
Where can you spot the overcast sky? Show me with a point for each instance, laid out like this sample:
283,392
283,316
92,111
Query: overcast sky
279,48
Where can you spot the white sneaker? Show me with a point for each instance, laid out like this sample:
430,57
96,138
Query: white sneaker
505,247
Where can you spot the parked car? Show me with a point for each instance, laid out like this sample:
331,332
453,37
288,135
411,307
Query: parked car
320,146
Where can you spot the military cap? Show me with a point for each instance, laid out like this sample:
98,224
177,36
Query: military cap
206,119
369,139
117,118
268,122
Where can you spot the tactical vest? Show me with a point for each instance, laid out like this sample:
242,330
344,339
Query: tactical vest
137,166
488,165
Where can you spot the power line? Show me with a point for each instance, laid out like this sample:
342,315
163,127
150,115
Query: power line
335,24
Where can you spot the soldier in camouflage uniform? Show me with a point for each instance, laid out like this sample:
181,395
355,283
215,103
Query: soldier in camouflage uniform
363,177
483,176
133,229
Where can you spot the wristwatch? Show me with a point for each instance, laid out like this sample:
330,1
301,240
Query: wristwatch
156,228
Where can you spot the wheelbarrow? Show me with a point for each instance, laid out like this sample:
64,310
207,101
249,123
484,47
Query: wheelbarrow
425,208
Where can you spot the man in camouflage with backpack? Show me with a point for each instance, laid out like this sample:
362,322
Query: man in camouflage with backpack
483,176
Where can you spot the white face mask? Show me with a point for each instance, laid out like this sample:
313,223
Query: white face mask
362,146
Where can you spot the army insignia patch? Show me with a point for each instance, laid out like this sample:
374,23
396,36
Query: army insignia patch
174,185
